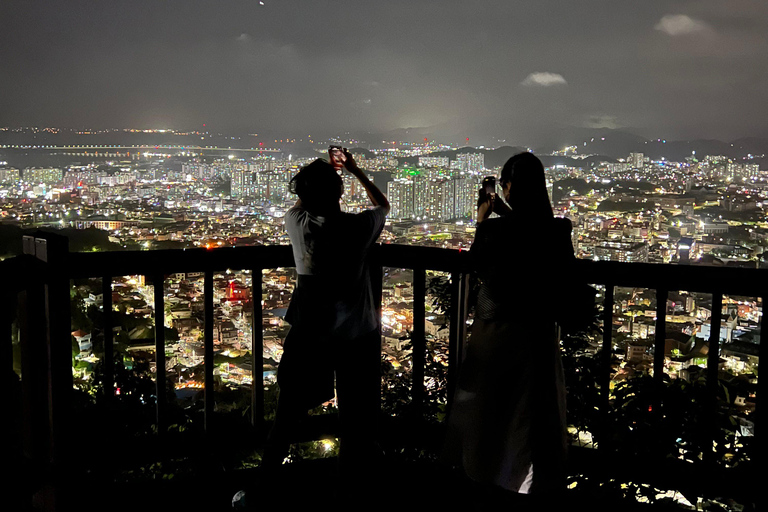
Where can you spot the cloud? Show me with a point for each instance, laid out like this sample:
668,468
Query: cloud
543,79
679,24
602,121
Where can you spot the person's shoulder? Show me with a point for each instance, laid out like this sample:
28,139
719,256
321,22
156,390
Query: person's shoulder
293,215
299,216
295,211
377,214
376,210
496,225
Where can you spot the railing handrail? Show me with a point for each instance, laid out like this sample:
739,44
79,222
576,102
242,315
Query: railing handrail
670,276
168,261
696,278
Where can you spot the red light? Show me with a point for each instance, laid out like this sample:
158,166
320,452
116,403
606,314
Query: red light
650,408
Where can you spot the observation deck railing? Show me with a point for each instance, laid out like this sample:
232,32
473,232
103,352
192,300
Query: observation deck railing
37,284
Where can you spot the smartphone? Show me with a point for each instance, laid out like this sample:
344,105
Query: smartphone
489,184
335,153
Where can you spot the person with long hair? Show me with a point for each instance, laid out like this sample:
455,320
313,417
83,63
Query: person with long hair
507,426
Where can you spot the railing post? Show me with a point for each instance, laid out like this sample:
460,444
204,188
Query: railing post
109,350
208,403
7,310
713,362
458,334
34,370
158,283
12,272
47,366
8,299
257,350
418,341
661,335
761,448
53,249
659,349
377,284
607,351
713,357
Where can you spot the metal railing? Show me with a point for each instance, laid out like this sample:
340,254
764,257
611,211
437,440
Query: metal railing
38,283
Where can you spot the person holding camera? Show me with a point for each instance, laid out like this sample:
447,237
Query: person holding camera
334,333
507,426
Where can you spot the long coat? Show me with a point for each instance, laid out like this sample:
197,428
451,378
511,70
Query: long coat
507,426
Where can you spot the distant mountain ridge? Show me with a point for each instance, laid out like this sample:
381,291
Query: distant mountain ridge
604,144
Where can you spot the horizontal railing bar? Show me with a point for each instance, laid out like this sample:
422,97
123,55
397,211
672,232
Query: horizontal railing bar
692,278
737,281
124,263
83,265
428,258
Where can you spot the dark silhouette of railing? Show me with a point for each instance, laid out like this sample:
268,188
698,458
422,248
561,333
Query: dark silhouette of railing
37,284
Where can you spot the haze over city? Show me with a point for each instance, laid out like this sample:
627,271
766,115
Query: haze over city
524,72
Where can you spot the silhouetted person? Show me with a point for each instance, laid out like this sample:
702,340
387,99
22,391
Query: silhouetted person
334,323
507,425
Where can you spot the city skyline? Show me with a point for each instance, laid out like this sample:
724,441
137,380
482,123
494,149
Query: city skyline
511,70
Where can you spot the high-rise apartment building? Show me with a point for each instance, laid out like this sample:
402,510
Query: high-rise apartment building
636,160
46,176
469,162
10,175
434,161
439,195
241,184
433,198
271,187
400,193
465,198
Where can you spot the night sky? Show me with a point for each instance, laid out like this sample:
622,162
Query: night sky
679,69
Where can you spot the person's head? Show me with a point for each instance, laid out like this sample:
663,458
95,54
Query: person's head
319,186
524,186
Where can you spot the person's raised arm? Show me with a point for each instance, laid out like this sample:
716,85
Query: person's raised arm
376,196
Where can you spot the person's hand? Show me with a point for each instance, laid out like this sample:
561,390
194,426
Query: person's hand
501,208
349,160
485,205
